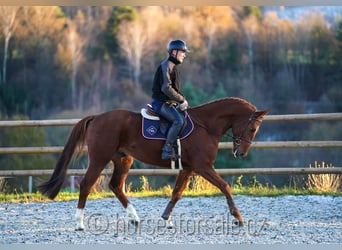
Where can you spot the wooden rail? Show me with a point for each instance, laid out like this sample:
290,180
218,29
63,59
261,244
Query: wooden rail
222,145
303,117
165,172
267,118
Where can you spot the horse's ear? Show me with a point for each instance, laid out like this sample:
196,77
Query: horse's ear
260,114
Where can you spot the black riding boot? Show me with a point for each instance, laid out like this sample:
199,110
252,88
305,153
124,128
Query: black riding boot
168,148
168,152
171,114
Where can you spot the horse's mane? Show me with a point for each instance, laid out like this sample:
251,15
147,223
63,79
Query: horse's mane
232,99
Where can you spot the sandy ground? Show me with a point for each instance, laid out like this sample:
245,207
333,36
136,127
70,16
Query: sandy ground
268,220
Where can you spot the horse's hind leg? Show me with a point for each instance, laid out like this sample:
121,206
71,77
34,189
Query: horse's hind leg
181,182
122,164
93,172
210,174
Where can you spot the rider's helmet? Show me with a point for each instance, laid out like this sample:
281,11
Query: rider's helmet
177,45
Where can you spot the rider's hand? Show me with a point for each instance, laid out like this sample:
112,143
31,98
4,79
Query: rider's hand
184,105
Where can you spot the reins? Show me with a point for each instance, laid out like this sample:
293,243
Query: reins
199,123
235,139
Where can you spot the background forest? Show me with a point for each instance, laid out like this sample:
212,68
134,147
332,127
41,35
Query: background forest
66,62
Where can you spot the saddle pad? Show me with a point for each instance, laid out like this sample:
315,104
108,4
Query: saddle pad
150,129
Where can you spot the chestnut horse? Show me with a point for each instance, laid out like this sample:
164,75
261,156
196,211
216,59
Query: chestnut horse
116,136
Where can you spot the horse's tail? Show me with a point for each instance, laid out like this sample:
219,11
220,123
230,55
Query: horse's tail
76,141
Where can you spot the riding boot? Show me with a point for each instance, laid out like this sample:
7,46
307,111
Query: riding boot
168,152
168,148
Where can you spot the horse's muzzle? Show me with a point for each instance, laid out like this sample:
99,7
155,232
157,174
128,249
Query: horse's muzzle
237,153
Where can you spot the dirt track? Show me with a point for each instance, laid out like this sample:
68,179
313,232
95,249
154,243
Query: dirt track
284,219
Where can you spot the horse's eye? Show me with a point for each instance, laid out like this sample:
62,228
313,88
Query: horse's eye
252,130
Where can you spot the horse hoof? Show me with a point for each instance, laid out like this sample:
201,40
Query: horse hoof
79,229
135,222
238,223
169,224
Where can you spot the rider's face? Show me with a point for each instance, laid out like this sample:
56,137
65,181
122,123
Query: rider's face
180,56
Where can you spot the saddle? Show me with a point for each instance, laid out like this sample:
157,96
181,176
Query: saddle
156,127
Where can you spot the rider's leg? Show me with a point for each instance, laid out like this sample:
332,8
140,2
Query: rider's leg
170,113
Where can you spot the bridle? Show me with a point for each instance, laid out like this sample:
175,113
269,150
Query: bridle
237,140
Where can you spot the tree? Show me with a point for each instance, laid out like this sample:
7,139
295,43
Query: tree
76,45
39,33
8,22
71,52
314,54
136,40
214,21
119,15
250,27
334,92
29,68
82,53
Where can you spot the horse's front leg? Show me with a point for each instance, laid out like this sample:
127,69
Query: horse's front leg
181,182
213,177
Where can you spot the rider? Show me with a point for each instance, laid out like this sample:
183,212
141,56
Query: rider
166,95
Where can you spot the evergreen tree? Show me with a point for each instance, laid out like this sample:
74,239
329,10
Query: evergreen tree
119,15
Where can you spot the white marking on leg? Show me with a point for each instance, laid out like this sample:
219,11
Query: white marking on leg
132,213
169,223
79,216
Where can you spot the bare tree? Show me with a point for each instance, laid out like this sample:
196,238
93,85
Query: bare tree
8,22
41,27
250,26
132,42
215,21
136,39
75,45
43,21
77,36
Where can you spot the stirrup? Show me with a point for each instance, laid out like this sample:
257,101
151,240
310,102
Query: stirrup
169,155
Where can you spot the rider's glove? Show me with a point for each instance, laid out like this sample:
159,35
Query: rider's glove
184,105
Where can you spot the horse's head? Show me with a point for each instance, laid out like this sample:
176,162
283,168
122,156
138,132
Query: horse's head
244,134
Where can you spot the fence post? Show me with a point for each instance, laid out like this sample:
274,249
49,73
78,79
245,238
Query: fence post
72,184
30,184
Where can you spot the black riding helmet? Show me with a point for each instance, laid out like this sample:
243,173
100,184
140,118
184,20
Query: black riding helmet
177,45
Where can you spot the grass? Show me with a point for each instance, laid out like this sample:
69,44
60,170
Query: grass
37,197
324,182
197,187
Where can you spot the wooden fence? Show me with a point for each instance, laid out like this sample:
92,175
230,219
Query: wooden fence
222,145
